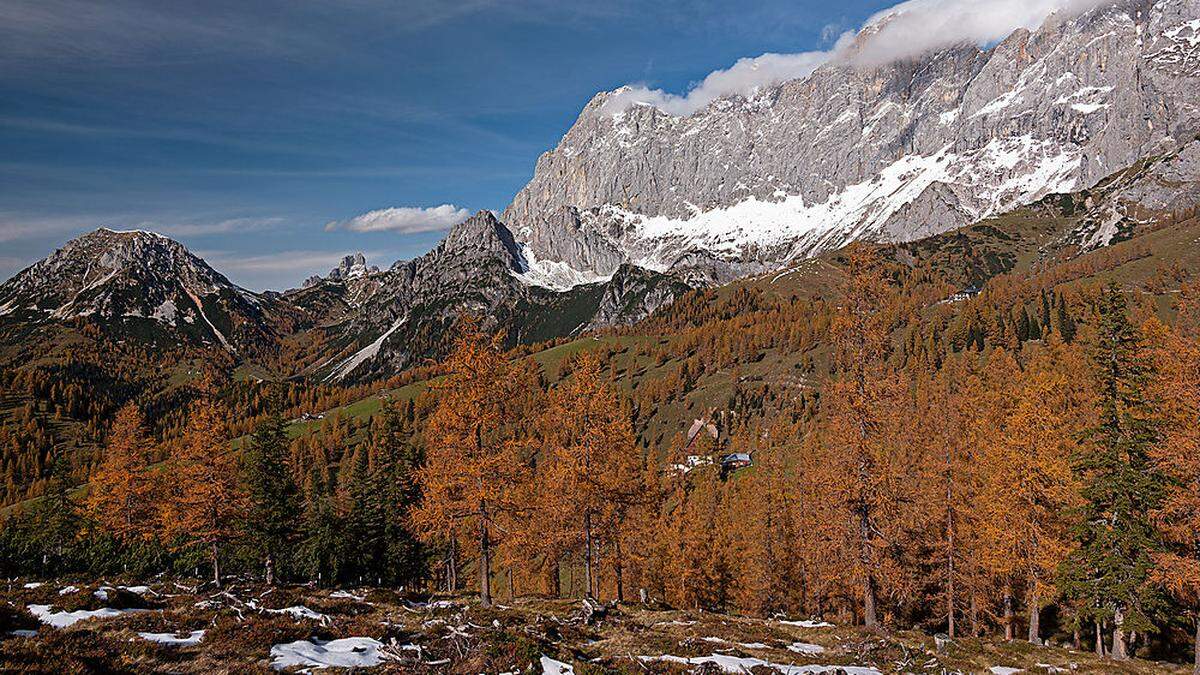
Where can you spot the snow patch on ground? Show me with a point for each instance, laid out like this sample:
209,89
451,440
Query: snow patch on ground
736,664
301,612
808,623
174,640
65,619
33,584
354,652
552,667
805,648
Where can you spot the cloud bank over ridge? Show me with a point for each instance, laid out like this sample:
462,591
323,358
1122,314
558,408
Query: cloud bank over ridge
906,30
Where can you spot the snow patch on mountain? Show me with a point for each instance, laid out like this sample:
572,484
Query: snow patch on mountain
552,274
1020,169
200,308
366,353
758,177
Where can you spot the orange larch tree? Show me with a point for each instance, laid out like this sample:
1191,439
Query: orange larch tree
591,468
1177,456
866,410
472,464
121,498
205,501
1028,488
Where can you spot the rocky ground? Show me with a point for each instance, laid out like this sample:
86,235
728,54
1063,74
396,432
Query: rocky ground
172,627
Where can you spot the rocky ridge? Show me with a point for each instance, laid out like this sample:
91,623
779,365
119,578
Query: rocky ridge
887,153
140,281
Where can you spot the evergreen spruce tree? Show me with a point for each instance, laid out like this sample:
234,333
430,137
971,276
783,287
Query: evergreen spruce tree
55,522
1063,323
1045,315
1109,572
360,537
395,491
1023,326
273,495
317,553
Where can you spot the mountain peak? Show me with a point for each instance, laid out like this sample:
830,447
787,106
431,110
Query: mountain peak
352,267
129,277
915,143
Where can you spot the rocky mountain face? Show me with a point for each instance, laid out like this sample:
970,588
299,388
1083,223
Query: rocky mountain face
368,322
478,269
635,205
888,153
346,287
1160,187
137,283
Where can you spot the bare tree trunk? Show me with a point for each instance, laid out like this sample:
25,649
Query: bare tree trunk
1099,639
619,570
216,563
974,615
1035,615
587,555
452,566
511,592
1196,649
1075,639
485,559
270,565
870,620
1008,612
1120,649
949,548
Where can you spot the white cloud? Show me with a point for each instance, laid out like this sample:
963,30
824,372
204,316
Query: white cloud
906,30
745,77
404,219
229,226
915,27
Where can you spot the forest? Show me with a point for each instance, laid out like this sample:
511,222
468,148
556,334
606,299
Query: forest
1022,464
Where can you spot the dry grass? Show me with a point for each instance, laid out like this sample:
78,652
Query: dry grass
456,636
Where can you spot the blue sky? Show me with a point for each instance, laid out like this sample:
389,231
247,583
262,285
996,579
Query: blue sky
242,128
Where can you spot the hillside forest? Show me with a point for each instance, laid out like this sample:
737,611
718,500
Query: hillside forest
1021,463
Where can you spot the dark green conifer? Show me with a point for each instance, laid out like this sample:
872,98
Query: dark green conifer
274,496
1109,574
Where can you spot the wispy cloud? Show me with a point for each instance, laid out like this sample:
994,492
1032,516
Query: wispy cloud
906,30
123,32
278,269
180,135
228,226
404,219
745,77
18,227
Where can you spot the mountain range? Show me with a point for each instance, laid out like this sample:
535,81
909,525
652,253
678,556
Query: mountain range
635,205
